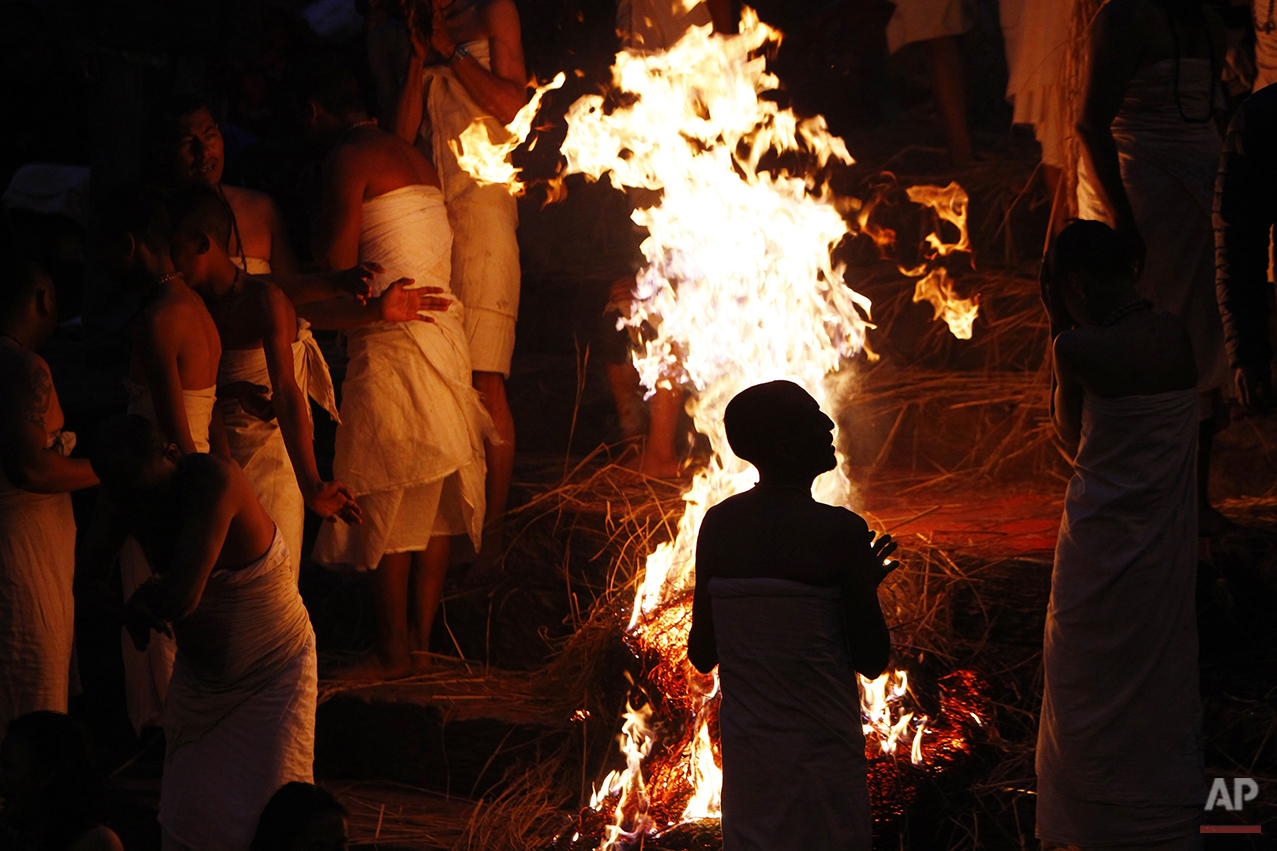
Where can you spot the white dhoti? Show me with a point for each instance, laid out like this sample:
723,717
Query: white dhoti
1119,755
924,20
146,673
37,610
1036,34
1169,167
410,443
485,251
794,767
258,446
240,718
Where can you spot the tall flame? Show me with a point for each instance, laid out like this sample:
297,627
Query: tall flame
740,288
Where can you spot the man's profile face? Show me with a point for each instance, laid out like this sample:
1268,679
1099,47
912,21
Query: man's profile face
199,155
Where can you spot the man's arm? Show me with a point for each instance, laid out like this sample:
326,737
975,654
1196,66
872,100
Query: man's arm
1245,210
341,210
396,304
1066,391
26,396
318,286
209,506
1114,60
868,640
702,649
282,259
503,91
157,345
327,499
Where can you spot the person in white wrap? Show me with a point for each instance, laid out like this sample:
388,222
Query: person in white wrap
410,443
262,347
786,606
1036,37
937,24
172,382
1151,153
37,528
467,67
1119,752
240,715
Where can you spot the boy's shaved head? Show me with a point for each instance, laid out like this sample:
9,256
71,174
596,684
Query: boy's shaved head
760,417
199,207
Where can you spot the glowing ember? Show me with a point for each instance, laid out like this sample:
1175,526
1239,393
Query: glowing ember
488,161
740,288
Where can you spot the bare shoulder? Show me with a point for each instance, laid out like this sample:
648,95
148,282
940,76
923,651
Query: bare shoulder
208,474
501,18
99,838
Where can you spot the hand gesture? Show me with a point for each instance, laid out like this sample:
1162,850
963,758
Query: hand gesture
401,304
417,34
1255,388
333,501
880,562
255,399
140,620
440,40
357,281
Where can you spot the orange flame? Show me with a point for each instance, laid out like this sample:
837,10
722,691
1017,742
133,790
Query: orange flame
958,313
488,161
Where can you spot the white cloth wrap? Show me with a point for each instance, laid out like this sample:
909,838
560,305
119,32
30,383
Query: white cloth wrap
924,20
240,719
1036,34
147,673
794,763
1119,754
409,415
484,217
1169,168
259,448
37,610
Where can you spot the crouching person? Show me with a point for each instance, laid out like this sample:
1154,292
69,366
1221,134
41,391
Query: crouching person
240,715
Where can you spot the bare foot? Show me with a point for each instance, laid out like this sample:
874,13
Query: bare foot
373,667
421,662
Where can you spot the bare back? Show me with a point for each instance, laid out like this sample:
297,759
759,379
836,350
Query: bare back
1145,354
178,325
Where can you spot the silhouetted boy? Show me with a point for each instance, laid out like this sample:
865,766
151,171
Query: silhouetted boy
786,604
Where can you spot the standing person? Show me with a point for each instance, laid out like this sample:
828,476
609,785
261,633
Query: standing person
475,72
37,528
1036,36
240,716
786,605
937,24
1152,152
1245,212
1119,752
410,443
258,328
172,382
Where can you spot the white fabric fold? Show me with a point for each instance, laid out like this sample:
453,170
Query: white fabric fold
258,446
794,767
37,609
1119,755
240,718
409,415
